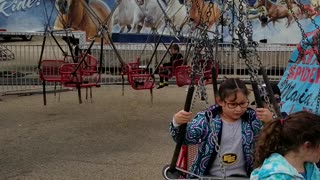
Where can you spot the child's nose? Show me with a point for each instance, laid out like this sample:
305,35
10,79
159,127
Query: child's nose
238,107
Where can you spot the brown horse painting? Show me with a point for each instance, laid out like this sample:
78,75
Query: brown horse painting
199,10
278,11
84,15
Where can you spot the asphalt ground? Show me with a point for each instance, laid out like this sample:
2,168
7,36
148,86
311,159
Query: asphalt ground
111,136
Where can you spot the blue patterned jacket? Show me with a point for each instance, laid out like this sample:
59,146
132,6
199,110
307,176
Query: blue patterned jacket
199,132
277,167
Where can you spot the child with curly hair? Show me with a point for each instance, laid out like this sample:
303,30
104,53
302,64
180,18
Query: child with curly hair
289,148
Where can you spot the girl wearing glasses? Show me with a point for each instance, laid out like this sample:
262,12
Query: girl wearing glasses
230,126
289,149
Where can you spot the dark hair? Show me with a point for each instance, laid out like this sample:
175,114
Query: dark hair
175,47
282,136
275,89
231,86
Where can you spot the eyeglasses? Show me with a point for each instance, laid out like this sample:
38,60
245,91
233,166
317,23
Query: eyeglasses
233,105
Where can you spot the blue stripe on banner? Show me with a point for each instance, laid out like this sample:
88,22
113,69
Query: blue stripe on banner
144,38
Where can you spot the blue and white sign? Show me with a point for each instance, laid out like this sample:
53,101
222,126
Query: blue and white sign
300,84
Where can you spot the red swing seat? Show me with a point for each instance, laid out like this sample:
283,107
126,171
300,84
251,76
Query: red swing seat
182,73
89,65
71,74
86,75
171,69
139,78
186,157
68,77
49,70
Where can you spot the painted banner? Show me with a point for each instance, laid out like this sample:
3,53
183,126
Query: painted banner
300,84
272,20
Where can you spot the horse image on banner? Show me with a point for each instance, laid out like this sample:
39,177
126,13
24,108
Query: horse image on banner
274,11
199,10
289,9
128,16
133,15
83,15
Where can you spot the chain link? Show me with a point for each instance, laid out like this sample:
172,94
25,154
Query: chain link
202,43
248,49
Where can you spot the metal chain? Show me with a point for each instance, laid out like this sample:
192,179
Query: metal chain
253,45
304,37
248,51
303,34
208,48
198,68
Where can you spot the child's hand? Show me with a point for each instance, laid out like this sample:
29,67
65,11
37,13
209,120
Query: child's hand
182,117
264,114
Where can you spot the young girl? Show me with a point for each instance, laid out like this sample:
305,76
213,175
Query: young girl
289,149
229,125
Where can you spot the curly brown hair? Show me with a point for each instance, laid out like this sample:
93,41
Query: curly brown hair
282,136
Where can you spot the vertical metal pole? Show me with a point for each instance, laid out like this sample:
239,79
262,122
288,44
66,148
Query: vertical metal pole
221,23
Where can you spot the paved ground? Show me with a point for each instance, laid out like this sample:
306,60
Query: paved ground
114,137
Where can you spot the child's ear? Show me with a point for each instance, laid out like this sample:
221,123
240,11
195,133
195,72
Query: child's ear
219,101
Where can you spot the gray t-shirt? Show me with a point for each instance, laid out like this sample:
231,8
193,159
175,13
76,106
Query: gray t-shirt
231,151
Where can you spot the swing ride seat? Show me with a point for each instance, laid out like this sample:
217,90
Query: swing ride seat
89,73
170,69
50,70
187,156
83,76
139,78
133,65
68,77
89,65
182,73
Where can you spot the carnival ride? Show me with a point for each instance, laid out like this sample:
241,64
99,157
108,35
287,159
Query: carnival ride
78,69
57,71
197,69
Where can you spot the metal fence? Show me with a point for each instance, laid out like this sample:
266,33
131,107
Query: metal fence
20,71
